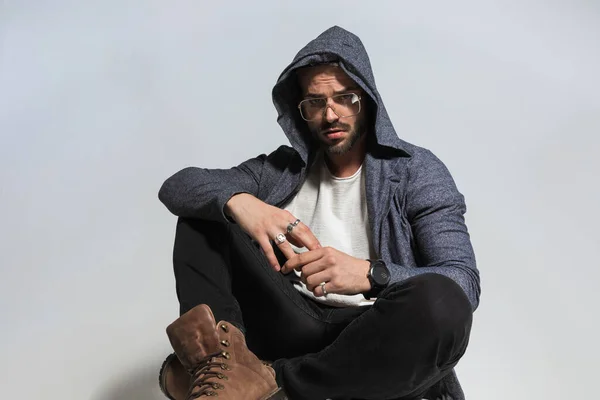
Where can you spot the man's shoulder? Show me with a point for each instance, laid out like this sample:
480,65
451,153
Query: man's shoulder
282,154
280,159
416,151
422,165
283,150
416,156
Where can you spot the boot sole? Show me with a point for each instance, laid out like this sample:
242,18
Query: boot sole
277,394
161,378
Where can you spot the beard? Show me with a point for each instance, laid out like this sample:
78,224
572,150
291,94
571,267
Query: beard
343,146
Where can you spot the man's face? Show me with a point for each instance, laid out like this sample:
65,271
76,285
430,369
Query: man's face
336,134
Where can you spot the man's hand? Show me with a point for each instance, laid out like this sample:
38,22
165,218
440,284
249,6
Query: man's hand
343,273
264,222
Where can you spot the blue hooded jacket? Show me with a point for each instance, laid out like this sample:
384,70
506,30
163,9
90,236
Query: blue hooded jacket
416,213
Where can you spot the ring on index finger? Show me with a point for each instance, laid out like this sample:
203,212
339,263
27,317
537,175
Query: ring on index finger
292,225
280,238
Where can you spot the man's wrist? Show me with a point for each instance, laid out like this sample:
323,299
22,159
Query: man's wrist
227,210
366,286
229,206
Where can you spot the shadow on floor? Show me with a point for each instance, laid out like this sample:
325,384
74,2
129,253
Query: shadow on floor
138,384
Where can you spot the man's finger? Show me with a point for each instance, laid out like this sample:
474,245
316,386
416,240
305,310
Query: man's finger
311,269
304,236
294,241
300,260
287,250
313,283
265,244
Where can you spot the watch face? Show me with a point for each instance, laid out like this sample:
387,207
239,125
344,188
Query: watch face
380,274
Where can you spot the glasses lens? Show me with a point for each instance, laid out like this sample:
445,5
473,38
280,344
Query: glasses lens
344,105
312,108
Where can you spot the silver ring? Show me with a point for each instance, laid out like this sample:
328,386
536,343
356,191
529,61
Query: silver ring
280,238
322,284
292,225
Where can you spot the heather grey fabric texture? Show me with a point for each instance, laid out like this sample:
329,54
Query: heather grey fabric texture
416,212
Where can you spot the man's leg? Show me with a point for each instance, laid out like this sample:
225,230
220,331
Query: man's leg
412,336
219,265
202,269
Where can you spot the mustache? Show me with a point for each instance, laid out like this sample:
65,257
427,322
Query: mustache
329,127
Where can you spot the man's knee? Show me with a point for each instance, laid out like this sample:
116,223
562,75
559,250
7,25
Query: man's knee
193,227
437,301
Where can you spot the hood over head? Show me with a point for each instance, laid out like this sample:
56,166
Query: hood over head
345,48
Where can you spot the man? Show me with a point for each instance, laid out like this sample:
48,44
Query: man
339,267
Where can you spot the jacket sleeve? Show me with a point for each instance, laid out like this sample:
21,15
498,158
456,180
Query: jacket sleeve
435,210
202,193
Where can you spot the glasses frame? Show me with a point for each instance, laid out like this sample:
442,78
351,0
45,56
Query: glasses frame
328,106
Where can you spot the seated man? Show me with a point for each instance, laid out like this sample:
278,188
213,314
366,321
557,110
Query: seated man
339,267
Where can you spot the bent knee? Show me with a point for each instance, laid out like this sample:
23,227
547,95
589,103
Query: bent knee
438,301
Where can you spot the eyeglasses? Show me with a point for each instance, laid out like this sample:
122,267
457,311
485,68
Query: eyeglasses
343,105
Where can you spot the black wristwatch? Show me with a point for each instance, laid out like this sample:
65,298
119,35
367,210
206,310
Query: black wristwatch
379,277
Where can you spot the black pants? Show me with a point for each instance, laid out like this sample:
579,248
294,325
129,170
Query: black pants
399,348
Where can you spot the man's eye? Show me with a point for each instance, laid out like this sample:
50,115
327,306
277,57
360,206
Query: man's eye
315,102
347,98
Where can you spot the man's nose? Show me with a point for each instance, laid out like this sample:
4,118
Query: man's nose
330,115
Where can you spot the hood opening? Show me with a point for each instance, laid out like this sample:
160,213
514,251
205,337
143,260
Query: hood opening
335,45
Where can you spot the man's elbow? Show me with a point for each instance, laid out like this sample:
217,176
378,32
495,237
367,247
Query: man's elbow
168,194
474,289
467,277
164,193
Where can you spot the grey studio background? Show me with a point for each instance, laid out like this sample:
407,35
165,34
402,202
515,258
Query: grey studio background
100,101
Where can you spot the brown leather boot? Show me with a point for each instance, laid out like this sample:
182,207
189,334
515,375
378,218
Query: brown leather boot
173,379
213,360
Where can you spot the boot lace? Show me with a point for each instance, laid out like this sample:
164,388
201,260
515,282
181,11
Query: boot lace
204,374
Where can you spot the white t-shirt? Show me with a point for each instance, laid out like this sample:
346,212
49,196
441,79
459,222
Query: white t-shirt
335,210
